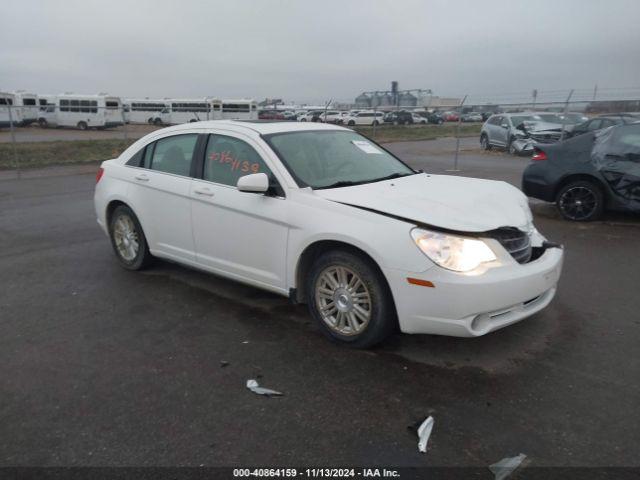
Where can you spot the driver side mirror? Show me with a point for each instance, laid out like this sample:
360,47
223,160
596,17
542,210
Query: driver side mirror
253,183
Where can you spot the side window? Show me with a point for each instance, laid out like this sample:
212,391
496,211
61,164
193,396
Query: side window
626,142
227,159
148,153
173,154
136,160
594,125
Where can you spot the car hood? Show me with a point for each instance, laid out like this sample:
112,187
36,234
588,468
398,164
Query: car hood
543,126
448,202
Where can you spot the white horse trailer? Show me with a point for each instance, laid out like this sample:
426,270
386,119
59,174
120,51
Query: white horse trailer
28,103
144,110
82,111
9,112
189,110
243,109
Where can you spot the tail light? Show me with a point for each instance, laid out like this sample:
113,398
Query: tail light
538,155
99,174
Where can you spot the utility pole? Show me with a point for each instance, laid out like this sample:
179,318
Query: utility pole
595,92
534,95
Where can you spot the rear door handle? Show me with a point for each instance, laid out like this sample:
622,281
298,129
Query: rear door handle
142,177
203,191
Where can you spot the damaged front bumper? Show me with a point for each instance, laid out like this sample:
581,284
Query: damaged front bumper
474,305
523,146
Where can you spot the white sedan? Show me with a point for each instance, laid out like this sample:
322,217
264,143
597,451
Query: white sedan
327,217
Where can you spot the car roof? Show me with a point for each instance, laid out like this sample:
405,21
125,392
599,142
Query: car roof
261,127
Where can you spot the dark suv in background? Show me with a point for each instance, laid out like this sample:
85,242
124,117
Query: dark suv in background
588,174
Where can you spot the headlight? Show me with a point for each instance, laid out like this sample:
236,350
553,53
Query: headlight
452,252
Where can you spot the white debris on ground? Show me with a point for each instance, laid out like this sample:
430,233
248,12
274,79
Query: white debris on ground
255,388
506,466
424,432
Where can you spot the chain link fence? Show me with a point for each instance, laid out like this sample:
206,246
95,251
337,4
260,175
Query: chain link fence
79,131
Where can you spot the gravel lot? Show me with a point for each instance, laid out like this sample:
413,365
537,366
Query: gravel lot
102,366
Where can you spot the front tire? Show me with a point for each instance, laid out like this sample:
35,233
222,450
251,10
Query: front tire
350,300
128,240
43,123
580,201
484,142
82,126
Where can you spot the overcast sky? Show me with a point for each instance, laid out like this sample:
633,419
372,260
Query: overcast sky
312,50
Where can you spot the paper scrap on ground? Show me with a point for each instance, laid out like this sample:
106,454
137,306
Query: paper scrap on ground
424,432
255,388
366,147
506,466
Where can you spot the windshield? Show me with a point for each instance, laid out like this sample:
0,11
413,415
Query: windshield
517,120
326,159
550,117
575,117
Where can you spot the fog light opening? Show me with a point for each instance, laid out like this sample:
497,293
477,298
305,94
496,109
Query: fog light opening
480,324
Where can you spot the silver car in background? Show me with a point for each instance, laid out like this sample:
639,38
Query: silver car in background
516,132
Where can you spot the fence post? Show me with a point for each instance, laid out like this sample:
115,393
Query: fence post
124,123
374,121
13,141
326,106
455,158
564,117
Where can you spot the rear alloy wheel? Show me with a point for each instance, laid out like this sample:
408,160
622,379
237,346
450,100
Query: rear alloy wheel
128,240
350,300
580,201
484,142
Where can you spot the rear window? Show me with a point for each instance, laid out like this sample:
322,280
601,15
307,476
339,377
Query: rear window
173,154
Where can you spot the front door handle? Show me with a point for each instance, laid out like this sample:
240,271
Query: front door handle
142,177
203,191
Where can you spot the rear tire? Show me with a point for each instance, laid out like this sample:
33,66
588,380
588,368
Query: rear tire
350,299
128,240
43,123
157,121
82,125
581,201
351,123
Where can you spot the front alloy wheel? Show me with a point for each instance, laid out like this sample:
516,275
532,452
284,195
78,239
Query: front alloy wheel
350,299
343,300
